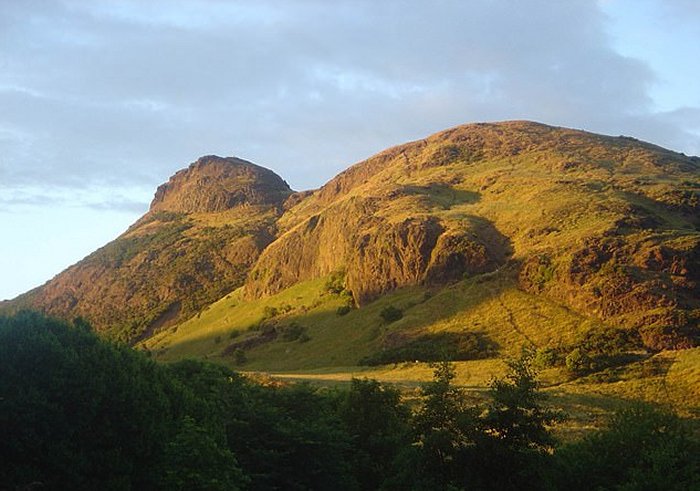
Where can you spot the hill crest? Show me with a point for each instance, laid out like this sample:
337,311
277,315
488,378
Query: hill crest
607,226
216,184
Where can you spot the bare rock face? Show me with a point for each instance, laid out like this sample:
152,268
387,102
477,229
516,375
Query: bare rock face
377,255
648,283
214,184
396,254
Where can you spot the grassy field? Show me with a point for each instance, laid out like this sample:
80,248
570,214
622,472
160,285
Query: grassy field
537,198
488,304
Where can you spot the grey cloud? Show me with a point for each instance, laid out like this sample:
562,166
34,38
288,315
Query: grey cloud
128,92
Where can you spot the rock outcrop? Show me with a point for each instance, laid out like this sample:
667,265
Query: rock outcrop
606,226
206,228
214,184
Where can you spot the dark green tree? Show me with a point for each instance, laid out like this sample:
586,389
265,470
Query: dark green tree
643,448
444,431
77,412
378,424
193,459
515,439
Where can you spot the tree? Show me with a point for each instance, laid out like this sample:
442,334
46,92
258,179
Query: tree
77,412
515,438
516,415
391,314
377,423
642,448
444,431
193,459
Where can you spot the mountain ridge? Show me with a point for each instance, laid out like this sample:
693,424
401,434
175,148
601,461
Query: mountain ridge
607,226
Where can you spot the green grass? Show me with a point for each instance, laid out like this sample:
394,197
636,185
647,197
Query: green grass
488,305
547,197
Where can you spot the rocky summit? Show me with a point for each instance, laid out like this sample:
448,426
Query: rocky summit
605,227
204,230
214,184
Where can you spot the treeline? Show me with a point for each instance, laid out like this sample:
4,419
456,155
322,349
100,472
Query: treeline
77,412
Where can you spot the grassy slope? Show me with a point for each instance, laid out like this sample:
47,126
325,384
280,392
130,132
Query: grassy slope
542,204
485,304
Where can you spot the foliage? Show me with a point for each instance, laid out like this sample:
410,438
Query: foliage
391,314
449,346
658,338
377,423
77,412
546,358
343,310
444,428
643,448
515,438
292,332
193,459
516,414
270,312
239,357
336,283
596,349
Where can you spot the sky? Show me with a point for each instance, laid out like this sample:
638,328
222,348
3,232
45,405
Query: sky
102,100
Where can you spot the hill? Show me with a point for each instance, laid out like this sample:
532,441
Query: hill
500,234
205,228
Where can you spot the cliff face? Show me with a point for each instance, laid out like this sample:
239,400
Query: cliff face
606,226
205,229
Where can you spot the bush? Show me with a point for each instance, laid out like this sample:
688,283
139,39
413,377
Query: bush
343,310
546,358
450,346
578,362
600,348
642,448
239,357
609,341
270,312
391,314
336,283
292,332
87,414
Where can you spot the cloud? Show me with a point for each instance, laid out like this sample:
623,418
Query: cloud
125,93
16,200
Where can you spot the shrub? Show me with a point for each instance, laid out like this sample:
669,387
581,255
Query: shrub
601,347
578,362
609,341
343,310
449,346
391,314
270,312
657,338
336,283
239,357
546,358
642,448
292,332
